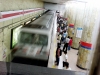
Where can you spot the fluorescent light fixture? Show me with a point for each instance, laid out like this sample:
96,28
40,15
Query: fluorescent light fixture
33,19
27,22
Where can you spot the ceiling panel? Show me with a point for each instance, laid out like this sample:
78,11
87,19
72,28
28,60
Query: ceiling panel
55,1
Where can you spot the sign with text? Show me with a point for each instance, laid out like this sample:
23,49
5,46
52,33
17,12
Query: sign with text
79,32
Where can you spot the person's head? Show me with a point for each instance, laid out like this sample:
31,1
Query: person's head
61,24
71,38
66,65
58,46
64,31
68,36
65,52
58,34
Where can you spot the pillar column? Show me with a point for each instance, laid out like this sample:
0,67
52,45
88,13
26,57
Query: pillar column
70,30
85,50
78,22
75,12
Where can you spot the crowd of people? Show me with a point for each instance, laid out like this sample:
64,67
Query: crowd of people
64,42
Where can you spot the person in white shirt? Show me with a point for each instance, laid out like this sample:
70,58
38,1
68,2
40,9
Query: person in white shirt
66,64
65,58
59,37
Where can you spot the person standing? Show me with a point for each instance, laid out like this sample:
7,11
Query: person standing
64,36
58,52
65,58
58,29
66,44
70,43
59,40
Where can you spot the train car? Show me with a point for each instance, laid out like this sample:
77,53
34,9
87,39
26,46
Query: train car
34,42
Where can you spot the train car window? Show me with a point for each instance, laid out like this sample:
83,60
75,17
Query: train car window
33,38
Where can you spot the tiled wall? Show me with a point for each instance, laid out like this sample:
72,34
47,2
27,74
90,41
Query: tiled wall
6,24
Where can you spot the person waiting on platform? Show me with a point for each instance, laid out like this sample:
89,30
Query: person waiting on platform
65,58
70,43
66,66
58,29
62,26
61,31
65,34
66,44
58,54
59,40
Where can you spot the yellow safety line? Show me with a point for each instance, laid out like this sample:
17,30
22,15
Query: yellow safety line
55,41
54,66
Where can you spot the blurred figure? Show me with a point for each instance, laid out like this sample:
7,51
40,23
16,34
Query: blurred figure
65,21
59,40
62,26
65,34
58,29
59,37
58,54
70,43
66,65
66,44
65,58
67,27
62,38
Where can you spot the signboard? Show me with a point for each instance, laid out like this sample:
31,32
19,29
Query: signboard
79,32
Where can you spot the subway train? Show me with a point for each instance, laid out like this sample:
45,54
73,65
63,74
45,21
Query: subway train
34,41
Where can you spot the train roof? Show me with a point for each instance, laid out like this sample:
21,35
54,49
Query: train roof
43,23
36,27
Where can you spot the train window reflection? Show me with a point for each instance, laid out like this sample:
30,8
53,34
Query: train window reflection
33,38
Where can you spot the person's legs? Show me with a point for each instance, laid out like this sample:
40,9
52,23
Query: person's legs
63,64
58,44
68,47
64,47
57,60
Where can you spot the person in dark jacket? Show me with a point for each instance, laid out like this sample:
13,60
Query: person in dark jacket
58,54
66,44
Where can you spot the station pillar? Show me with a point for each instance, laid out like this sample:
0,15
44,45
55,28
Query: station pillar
87,41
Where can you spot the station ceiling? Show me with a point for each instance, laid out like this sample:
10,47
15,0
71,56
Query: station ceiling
56,1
